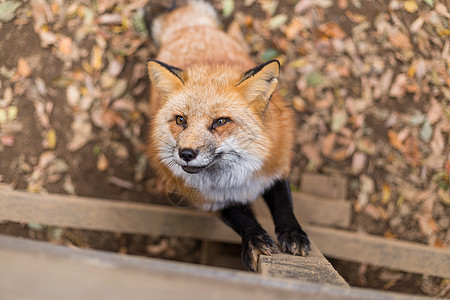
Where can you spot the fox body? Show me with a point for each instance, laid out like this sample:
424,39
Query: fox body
220,133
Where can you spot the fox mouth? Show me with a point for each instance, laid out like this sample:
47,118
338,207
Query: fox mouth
193,170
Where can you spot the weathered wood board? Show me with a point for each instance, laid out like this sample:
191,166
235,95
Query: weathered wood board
40,271
379,251
313,268
333,187
116,216
313,209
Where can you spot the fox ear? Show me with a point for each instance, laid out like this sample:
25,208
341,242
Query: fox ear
165,78
259,83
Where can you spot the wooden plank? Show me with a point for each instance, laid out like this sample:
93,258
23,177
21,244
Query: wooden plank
334,187
112,216
383,252
60,207
107,215
313,209
36,270
313,268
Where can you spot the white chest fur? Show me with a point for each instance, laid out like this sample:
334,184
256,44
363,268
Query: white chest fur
230,181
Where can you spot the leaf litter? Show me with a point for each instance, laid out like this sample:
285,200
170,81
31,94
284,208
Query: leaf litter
371,90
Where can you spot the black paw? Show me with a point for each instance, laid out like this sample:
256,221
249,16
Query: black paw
294,241
253,246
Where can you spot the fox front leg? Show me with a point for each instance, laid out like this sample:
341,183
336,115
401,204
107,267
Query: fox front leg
255,240
290,235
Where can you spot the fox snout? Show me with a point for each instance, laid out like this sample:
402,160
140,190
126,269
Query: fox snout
187,154
193,160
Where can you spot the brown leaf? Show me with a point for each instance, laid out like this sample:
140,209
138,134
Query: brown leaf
110,19
383,85
354,17
342,4
398,89
311,151
47,38
45,159
97,57
302,6
427,224
7,97
342,153
293,29
435,112
332,30
102,162
115,66
328,144
65,45
7,140
358,162
42,13
82,130
411,151
123,105
400,40
437,144
23,69
125,184
41,113
299,104
394,139
139,72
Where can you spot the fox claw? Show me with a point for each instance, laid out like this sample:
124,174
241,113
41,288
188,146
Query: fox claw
255,245
294,241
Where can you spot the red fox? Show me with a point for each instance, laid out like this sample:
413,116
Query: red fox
220,133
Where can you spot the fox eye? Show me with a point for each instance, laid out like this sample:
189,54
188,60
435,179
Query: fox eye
219,122
180,120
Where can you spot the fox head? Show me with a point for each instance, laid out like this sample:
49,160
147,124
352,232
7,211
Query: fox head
210,128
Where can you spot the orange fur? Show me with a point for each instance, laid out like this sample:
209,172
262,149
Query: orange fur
213,85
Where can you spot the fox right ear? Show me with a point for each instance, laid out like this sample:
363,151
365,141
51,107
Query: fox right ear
259,83
165,78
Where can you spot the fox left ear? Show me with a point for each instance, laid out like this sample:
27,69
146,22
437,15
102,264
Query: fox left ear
259,83
165,78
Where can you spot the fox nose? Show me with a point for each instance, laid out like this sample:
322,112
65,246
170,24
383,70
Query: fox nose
187,154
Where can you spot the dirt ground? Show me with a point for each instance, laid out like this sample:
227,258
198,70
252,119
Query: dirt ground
369,80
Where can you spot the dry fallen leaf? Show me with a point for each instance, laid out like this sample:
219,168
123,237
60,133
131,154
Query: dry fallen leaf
293,28
50,139
97,57
411,6
328,144
82,130
7,140
125,184
411,151
7,10
435,112
102,163
73,95
332,30
23,68
311,151
394,139
358,162
398,88
338,119
400,40
65,45
299,104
